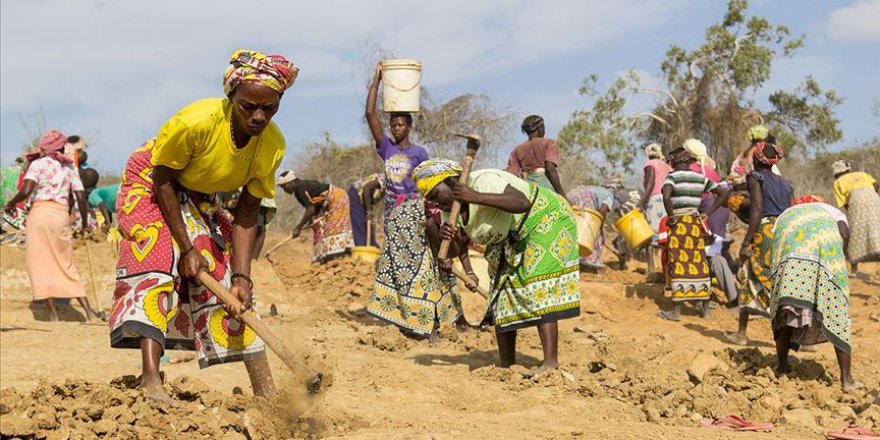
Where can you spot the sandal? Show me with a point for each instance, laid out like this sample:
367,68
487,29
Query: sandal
853,432
735,423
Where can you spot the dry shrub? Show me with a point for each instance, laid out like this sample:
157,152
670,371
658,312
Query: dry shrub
813,176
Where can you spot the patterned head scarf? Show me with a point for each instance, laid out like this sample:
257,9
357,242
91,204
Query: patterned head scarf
433,171
840,167
532,123
758,133
761,157
654,151
52,145
248,66
616,182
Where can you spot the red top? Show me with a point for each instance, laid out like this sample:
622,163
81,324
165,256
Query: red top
531,155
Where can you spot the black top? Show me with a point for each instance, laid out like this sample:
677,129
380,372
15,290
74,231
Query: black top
311,192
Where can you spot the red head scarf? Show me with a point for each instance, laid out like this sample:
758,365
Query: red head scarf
809,198
759,153
51,145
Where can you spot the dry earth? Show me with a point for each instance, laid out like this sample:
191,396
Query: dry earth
627,374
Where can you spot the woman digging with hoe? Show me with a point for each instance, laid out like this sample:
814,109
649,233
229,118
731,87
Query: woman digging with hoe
531,240
173,228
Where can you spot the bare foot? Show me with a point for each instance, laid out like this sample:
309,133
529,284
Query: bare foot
537,371
656,278
53,317
852,385
157,397
782,370
736,339
706,312
669,316
94,319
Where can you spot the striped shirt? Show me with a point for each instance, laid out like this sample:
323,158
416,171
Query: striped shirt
687,190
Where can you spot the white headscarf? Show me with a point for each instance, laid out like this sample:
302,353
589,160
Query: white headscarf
285,176
840,167
654,150
697,150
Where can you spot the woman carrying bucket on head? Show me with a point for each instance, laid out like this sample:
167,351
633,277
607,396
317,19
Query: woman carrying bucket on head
409,291
687,267
399,155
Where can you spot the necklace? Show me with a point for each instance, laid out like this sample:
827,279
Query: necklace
232,134
232,131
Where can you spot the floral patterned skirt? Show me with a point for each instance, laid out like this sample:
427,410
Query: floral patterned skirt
536,280
151,300
754,277
331,233
810,288
864,226
410,290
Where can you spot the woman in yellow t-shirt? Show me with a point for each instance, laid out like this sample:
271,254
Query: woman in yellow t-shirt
173,228
858,193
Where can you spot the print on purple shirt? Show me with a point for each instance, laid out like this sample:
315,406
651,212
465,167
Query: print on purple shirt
399,165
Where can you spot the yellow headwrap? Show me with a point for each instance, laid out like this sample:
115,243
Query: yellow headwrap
433,171
757,133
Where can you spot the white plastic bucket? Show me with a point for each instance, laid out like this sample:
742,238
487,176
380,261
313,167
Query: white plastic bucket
401,81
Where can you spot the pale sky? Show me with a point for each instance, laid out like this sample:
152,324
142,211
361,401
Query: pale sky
114,71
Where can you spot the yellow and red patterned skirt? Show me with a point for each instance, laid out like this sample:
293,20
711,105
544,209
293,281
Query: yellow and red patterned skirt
151,300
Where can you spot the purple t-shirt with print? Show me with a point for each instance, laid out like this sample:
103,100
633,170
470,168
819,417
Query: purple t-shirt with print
399,165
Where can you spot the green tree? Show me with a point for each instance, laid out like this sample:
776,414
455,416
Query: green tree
707,93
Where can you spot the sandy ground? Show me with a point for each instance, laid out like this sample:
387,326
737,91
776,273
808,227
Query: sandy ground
628,374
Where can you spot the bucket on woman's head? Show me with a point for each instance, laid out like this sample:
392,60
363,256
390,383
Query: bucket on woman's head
401,85
634,228
367,253
589,224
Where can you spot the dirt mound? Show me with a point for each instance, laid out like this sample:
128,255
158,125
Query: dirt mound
339,282
79,409
625,372
385,338
672,387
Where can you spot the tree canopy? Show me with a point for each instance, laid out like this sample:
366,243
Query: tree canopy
706,93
